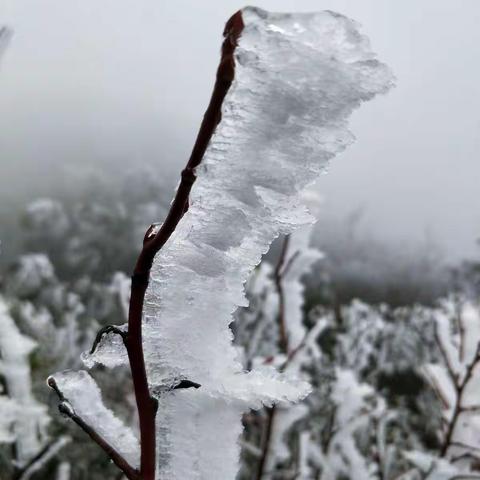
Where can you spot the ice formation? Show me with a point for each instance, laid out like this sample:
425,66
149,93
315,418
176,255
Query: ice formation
298,78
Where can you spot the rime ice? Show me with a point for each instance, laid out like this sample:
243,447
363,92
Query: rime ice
298,78
24,420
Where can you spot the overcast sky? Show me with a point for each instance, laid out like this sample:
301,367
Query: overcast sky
116,81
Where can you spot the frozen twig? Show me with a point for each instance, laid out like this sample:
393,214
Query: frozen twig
66,409
154,239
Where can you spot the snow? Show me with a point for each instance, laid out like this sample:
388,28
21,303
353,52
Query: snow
435,468
33,271
298,79
9,410
456,380
46,456
47,215
299,260
340,456
25,420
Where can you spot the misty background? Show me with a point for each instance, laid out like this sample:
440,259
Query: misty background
90,87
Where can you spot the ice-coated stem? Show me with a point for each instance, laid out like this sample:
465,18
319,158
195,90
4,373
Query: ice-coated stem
153,242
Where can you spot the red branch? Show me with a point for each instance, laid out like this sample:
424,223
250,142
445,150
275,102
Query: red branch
153,241
146,406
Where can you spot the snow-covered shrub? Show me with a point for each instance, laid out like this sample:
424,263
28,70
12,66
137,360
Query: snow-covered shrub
24,420
371,414
455,378
60,321
97,233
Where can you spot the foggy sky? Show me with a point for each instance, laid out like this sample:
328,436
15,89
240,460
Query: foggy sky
91,82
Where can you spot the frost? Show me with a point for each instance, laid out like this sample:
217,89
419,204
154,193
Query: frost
47,215
31,273
47,454
456,381
24,420
338,455
82,397
435,468
299,260
9,410
298,78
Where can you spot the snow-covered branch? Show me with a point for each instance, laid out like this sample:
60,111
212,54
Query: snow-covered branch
456,378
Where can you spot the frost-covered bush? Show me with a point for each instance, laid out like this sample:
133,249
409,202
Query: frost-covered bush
394,395
24,420
96,232
56,321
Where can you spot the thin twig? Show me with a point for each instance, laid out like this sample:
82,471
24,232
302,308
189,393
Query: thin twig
464,445
155,238
105,331
186,384
153,242
458,408
266,438
439,392
446,358
278,278
284,347
461,328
